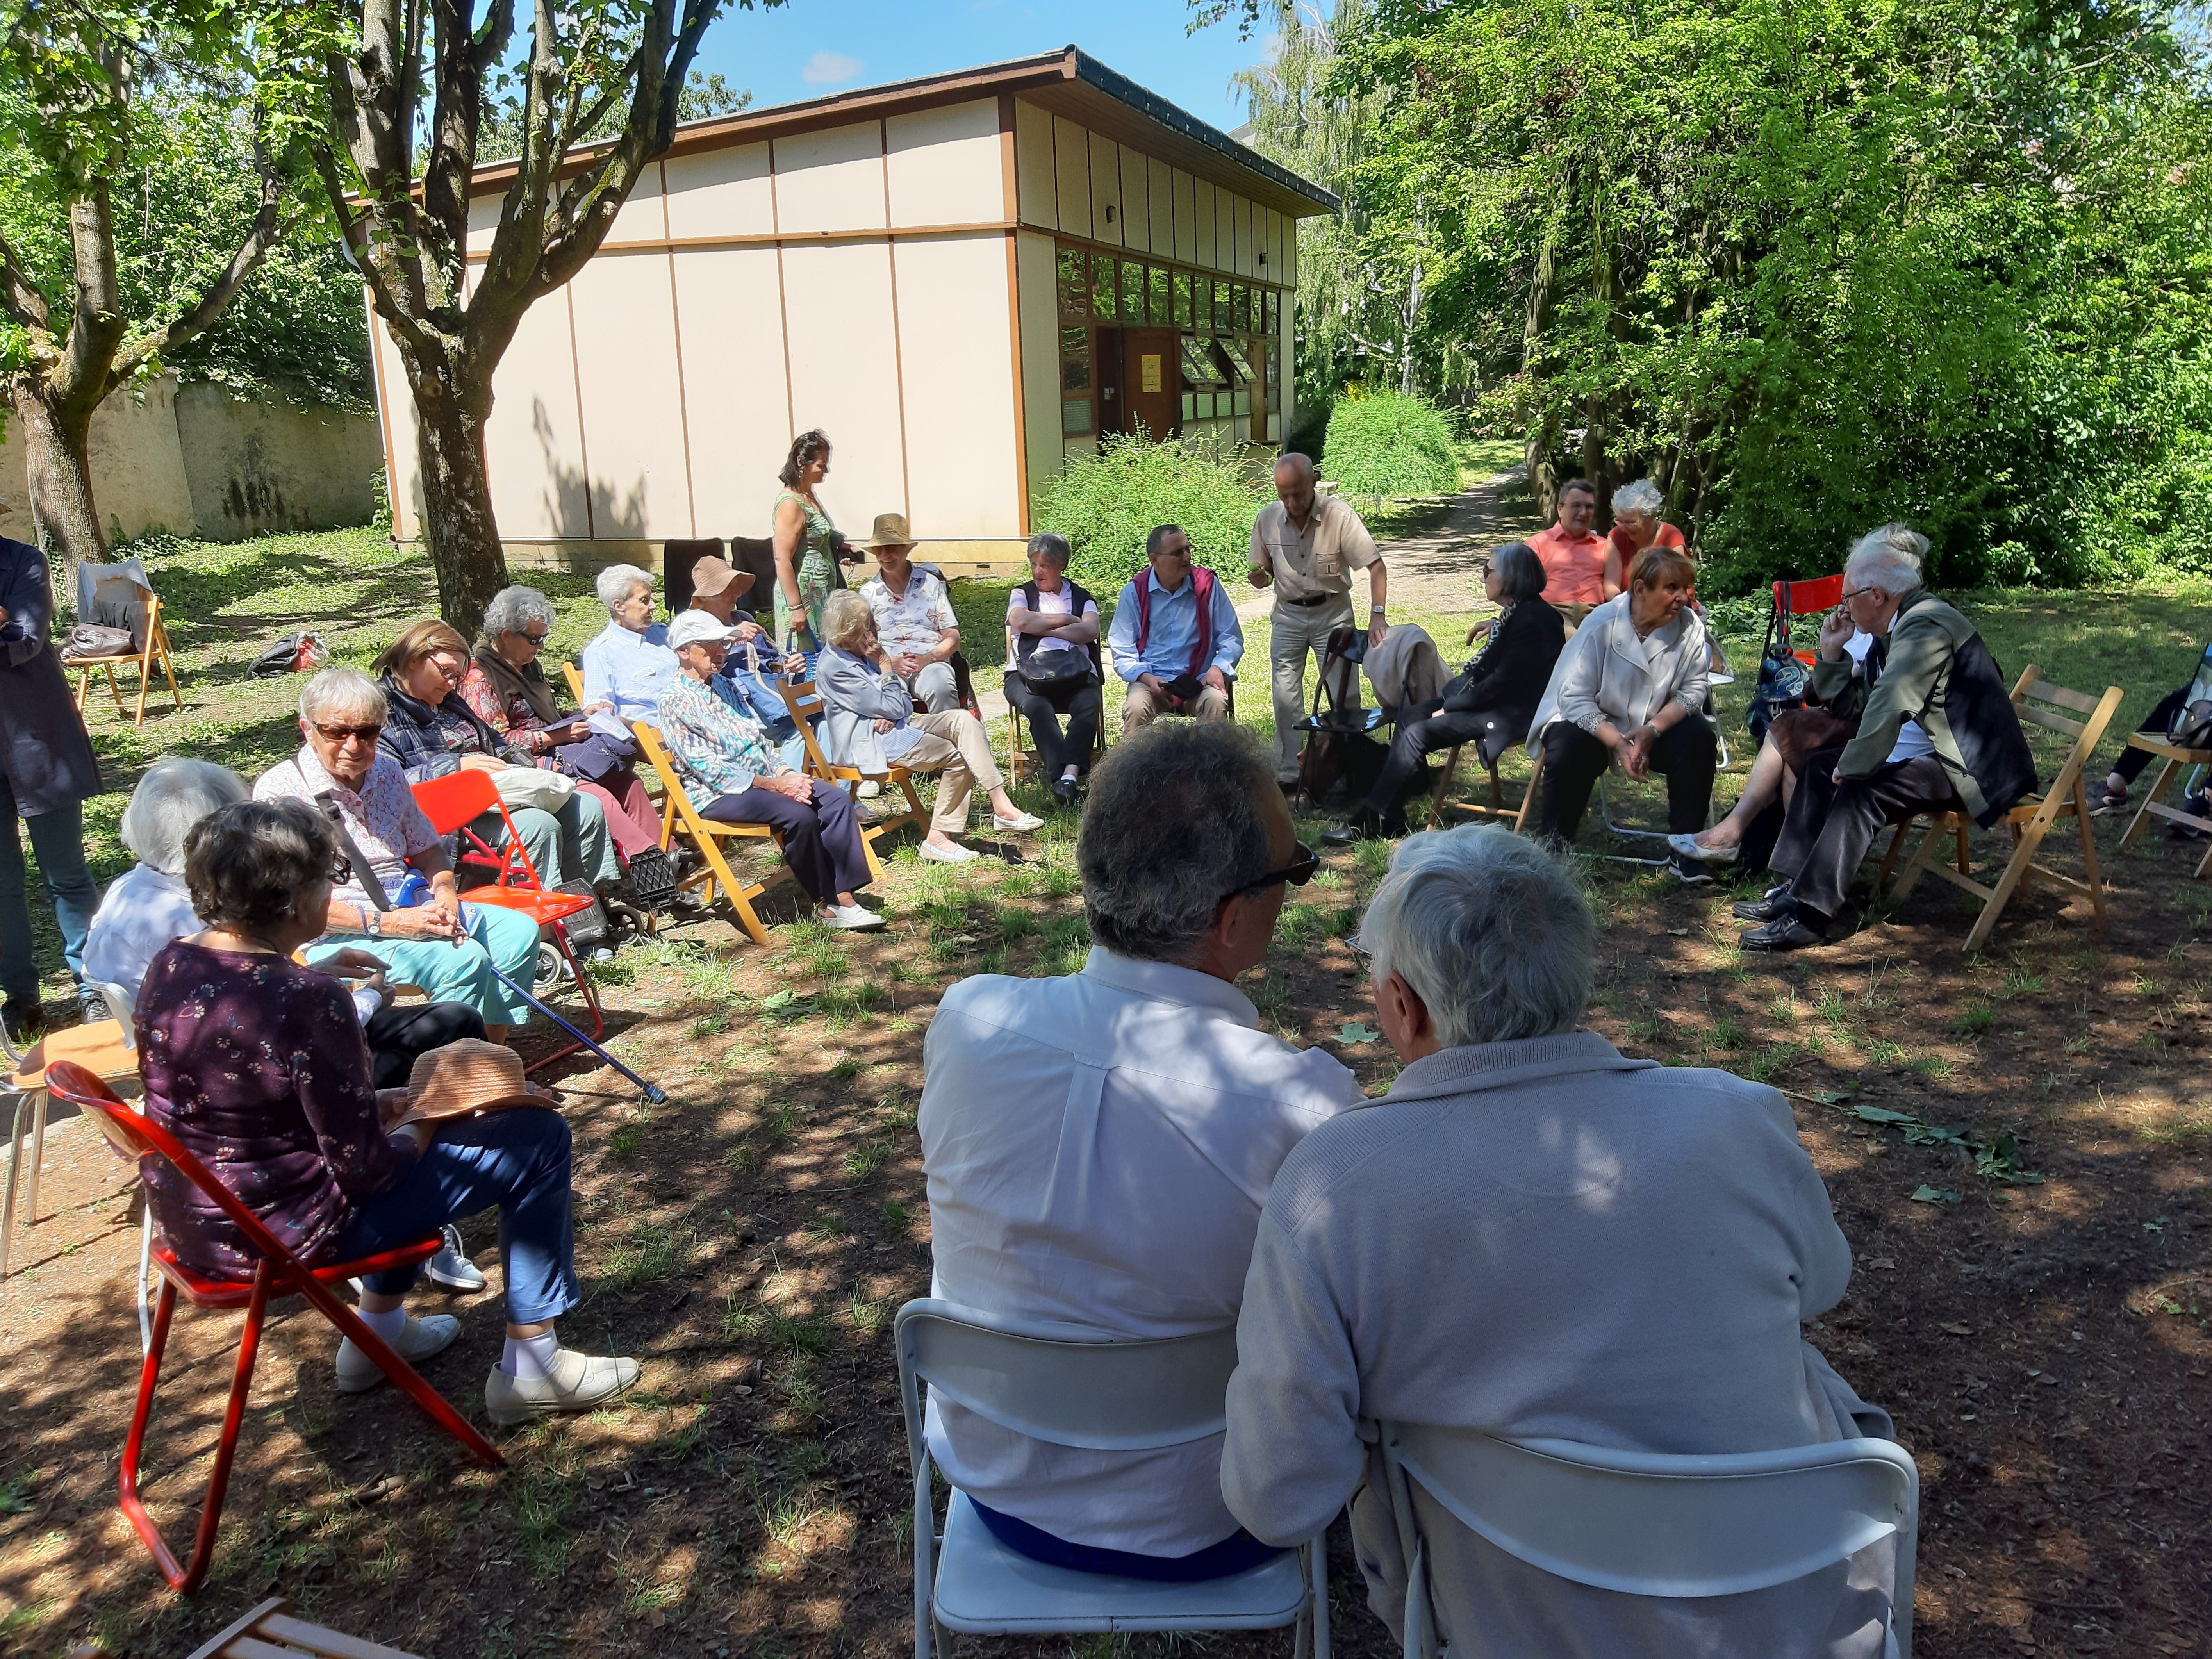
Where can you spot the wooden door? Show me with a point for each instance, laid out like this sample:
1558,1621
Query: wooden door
1152,380
1106,369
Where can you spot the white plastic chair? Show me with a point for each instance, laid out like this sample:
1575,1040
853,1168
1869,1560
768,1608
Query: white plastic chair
1648,1524
1102,1397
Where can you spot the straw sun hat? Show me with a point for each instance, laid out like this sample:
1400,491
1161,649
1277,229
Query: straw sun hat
459,1081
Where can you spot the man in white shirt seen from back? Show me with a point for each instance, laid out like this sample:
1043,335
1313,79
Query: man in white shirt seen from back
1098,1147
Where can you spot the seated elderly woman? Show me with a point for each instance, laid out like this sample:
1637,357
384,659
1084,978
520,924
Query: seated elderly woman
1533,1235
868,723
741,779
428,937
1488,704
1636,526
302,1142
628,664
431,732
149,906
1629,690
508,691
1054,623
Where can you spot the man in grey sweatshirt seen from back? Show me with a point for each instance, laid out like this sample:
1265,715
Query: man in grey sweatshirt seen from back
1531,1235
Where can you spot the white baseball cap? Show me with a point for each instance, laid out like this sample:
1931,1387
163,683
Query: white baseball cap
697,627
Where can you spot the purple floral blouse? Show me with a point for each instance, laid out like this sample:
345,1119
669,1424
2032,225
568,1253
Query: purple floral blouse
259,1067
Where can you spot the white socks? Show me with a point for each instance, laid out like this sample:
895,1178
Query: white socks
527,1359
389,1326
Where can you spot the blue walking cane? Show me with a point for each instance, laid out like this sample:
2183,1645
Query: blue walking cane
365,873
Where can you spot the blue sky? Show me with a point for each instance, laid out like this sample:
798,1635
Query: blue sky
809,48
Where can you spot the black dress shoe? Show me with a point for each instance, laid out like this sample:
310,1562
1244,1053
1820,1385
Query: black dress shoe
25,1022
1783,933
1773,902
1362,825
1063,791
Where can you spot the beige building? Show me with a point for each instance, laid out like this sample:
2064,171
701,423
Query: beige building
962,280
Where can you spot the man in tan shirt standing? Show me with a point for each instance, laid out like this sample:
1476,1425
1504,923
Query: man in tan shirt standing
1306,547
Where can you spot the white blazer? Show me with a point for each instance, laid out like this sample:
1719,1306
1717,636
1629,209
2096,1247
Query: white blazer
1606,673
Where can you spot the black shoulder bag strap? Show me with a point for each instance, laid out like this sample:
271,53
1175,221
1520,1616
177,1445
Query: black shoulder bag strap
363,871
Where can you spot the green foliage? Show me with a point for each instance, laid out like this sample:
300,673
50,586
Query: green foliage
1811,266
1106,504
1389,446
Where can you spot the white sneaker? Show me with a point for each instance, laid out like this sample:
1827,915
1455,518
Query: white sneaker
452,1268
1020,823
956,854
580,1382
853,918
358,1373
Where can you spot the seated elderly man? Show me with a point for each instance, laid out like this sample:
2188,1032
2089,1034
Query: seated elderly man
1098,1146
1936,731
1175,638
1532,1234
427,937
913,617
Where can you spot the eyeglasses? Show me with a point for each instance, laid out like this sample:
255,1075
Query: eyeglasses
1853,594
1296,874
340,733
340,873
535,639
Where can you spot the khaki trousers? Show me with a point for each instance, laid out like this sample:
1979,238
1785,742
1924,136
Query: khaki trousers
955,741
1141,707
1292,630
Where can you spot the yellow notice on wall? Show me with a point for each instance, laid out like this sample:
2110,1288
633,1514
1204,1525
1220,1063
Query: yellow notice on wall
1149,371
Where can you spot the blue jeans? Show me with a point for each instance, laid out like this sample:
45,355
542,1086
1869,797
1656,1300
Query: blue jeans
57,837
516,1159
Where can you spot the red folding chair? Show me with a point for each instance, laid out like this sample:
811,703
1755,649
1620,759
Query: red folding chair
453,804
278,1274
1823,593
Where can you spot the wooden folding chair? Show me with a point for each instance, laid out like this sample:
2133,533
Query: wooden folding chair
804,699
154,649
574,676
279,1272
706,834
269,1631
2030,820
2179,762
1495,807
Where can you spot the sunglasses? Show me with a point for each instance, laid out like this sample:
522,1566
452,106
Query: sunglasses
340,873
1296,874
340,733
535,639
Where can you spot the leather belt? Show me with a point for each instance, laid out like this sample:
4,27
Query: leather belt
1315,598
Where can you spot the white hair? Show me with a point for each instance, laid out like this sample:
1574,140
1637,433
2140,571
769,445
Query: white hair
613,584
343,691
175,795
1489,929
513,610
1889,558
1641,497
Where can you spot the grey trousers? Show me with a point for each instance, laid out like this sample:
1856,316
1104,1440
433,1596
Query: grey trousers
1292,630
938,687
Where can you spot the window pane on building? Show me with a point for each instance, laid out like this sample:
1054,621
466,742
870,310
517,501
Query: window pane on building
1161,313
1274,312
1221,312
1132,292
1200,366
1190,406
1234,350
1243,403
1074,283
1075,358
1104,306
1202,299
1240,308
1182,300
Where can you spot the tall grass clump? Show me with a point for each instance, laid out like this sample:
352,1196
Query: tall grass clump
1106,504
1385,444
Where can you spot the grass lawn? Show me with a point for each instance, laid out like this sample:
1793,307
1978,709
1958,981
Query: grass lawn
2018,1146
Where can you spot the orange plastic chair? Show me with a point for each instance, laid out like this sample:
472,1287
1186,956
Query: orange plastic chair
1800,600
278,1274
455,802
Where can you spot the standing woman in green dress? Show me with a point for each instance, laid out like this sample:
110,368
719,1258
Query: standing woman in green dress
805,545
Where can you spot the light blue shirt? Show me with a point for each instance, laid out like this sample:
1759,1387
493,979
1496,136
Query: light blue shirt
1174,633
629,671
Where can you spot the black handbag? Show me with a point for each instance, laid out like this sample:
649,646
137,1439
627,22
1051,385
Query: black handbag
1056,670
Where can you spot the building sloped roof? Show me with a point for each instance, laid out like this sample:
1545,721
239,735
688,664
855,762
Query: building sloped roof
1069,82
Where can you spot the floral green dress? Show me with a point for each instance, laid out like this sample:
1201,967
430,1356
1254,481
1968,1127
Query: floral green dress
817,574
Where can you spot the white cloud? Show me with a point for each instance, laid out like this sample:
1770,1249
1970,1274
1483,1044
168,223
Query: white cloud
827,68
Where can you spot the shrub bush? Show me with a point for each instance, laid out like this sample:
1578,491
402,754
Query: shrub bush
1389,445
1106,504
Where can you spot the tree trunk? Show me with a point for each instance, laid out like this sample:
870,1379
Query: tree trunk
61,477
457,522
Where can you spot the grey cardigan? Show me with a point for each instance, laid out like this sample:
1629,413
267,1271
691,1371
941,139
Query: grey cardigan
856,694
1546,1238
